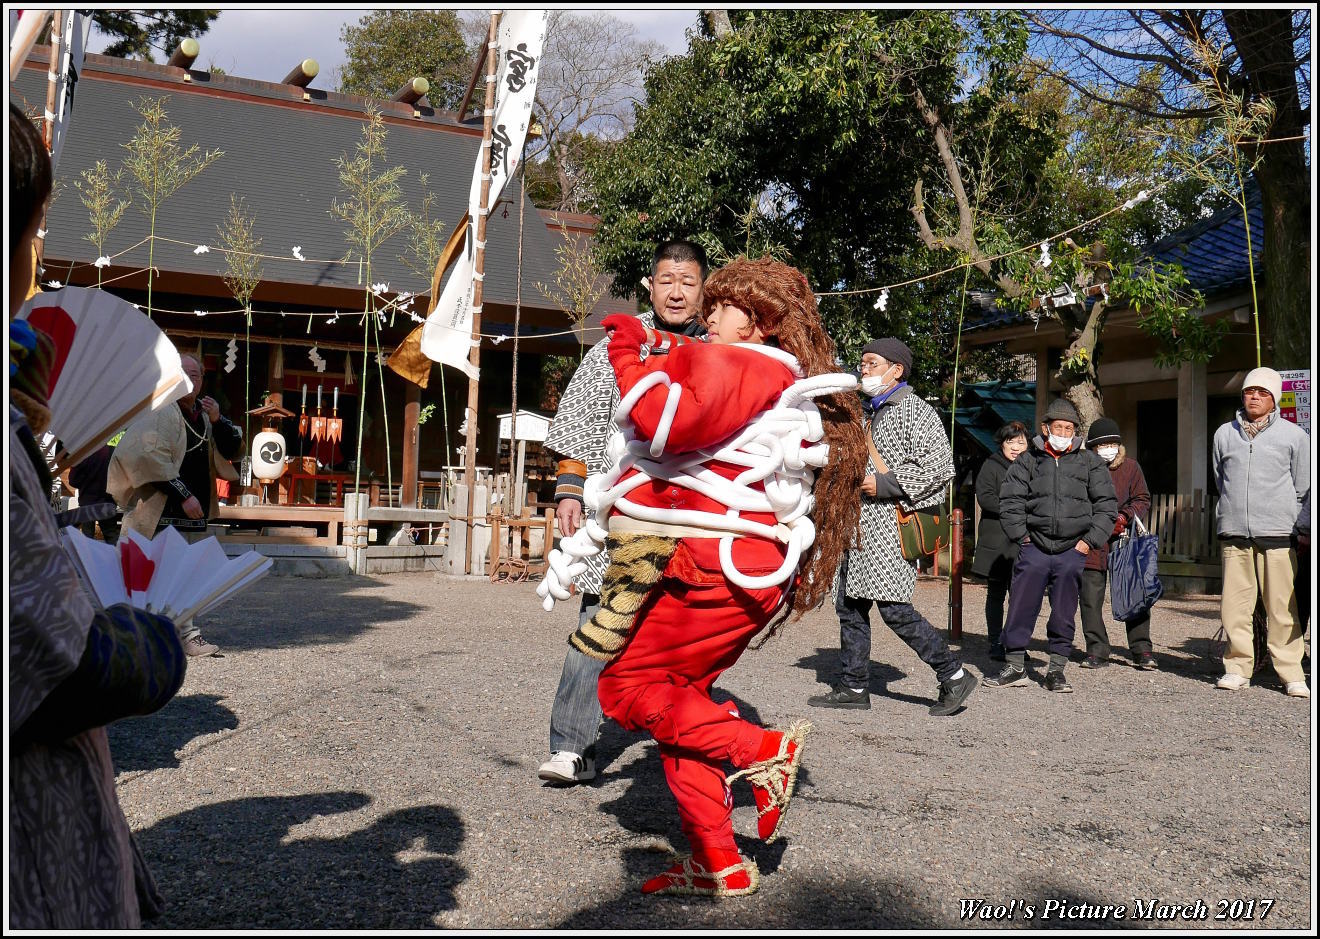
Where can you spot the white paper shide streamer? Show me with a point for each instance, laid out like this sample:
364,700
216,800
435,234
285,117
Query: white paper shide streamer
447,336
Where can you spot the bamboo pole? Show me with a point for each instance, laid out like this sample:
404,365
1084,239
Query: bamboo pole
48,125
478,268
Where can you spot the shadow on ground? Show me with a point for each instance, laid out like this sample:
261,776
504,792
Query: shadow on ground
236,865
825,663
787,902
280,612
153,742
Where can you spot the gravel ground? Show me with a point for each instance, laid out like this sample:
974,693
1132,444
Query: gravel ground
363,755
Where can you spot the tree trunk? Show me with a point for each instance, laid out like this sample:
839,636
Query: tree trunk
718,22
1081,386
1263,39
1084,394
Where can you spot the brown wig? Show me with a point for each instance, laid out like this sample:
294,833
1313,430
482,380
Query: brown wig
778,300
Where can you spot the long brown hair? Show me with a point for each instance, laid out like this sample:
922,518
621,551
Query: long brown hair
778,300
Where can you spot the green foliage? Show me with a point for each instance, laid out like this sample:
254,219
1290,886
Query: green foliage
426,234
242,266
796,136
556,372
1158,293
141,31
159,167
561,178
424,414
96,190
802,129
579,284
373,208
390,47
375,211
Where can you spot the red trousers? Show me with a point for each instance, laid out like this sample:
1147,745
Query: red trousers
686,636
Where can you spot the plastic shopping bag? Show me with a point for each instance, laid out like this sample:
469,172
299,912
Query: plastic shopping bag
1134,573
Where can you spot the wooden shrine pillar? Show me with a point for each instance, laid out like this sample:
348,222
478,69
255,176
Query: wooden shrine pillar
411,429
274,382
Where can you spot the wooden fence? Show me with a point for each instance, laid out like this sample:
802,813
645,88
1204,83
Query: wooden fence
1185,525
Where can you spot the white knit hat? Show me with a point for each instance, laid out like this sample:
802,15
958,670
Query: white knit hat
1266,378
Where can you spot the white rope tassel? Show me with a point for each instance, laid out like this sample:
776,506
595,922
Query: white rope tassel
781,448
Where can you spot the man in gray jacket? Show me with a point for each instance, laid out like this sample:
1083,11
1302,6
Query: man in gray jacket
1262,468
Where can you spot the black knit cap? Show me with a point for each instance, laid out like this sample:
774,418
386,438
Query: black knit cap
894,350
1104,430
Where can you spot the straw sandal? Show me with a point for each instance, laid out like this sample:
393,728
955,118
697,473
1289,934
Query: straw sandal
690,878
773,780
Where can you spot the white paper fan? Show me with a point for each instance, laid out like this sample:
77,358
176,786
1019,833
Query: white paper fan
98,565
165,574
112,364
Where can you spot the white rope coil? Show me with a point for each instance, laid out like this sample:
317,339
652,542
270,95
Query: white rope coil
781,448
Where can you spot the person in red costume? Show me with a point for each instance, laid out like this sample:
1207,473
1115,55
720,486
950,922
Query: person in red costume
723,445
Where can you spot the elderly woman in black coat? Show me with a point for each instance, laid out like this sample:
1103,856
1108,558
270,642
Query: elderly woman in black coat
994,555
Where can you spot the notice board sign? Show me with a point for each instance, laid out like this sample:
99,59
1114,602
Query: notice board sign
1295,401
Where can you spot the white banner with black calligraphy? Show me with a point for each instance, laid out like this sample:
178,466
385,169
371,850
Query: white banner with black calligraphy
447,336
521,38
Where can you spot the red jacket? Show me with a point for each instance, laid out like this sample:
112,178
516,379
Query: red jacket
723,389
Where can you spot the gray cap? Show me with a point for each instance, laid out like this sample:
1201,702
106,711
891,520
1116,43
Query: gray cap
895,351
1062,410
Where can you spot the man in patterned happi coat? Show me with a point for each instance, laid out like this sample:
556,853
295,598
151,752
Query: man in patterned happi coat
910,466
579,431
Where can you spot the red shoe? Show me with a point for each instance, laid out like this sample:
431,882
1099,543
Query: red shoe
773,780
689,878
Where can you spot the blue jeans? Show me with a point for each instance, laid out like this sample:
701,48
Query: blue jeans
575,717
1036,574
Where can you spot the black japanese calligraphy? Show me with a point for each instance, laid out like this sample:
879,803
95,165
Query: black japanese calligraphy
499,151
520,63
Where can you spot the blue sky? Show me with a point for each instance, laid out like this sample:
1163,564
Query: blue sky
266,43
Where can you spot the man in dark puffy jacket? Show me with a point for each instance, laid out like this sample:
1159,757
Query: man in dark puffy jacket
1058,502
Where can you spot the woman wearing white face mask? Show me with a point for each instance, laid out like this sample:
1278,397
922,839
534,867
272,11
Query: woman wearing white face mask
995,553
1133,502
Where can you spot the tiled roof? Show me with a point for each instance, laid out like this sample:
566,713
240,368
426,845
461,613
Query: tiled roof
984,407
279,154
1212,253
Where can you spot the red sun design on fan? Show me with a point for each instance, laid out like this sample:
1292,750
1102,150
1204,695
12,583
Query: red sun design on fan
138,568
60,327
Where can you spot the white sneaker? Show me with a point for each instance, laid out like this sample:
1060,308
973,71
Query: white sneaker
1231,682
565,766
1297,689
